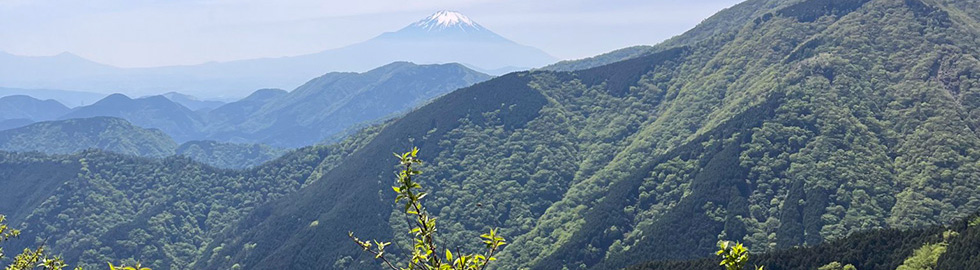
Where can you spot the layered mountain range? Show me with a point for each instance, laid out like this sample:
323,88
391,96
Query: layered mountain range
19,110
776,123
323,109
444,37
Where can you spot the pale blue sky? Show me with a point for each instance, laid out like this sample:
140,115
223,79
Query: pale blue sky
135,33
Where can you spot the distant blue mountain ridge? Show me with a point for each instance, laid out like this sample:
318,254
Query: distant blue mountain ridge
325,107
444,37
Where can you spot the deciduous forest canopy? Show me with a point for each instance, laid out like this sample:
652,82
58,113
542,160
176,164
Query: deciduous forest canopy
821,134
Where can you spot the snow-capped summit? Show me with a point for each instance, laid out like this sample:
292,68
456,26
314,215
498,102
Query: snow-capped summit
445,26
449,36
448,19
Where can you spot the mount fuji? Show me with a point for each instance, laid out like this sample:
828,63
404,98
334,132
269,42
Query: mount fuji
449,36
443,37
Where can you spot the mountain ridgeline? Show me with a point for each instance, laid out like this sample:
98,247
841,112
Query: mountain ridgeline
151,112
20,110
803,124
119,136
443,37
25,107
74,135
68,98
325,108
193,103
723,22
335,103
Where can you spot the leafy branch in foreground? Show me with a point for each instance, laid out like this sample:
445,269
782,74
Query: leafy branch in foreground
424,251
734,257
39,258
29,259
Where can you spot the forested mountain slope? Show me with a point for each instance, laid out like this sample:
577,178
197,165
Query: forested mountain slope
95,206
279,235
602,59
334,103
240,110
74,135
229,155
727,20
813,121
119,136
157,112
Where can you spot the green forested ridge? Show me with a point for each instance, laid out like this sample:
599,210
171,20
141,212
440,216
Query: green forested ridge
812,121
817,120
157,212
97,206
32,177
148,112
602,59
336,102
727,20
278,235
73,135
238,111
119,136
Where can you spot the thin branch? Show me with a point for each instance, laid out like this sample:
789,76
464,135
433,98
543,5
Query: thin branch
493,249
458,253
382,257
487,262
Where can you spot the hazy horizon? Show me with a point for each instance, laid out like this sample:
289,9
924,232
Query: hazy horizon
187,32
